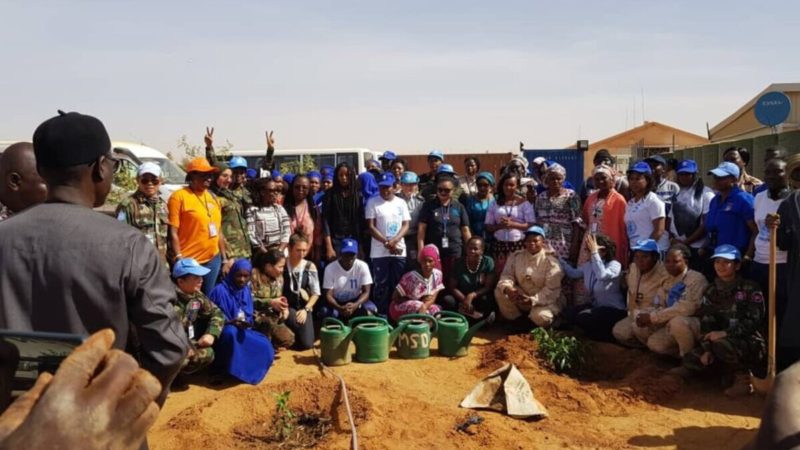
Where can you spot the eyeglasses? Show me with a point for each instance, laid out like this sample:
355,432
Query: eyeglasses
117,162
444,190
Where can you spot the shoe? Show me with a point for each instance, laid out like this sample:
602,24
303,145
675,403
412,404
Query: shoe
741,386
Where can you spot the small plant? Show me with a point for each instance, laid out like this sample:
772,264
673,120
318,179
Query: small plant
561,353
284,417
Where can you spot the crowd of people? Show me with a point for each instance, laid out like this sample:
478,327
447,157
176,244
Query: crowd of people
650,257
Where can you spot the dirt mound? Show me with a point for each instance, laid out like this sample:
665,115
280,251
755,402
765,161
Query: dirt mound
246,418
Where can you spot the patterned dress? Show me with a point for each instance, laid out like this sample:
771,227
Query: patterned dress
412,288
557,215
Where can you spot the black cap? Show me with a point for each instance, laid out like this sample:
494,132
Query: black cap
70,139
601,155
658,159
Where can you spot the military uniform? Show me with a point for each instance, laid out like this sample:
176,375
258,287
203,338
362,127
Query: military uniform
738,308
682,295
148,215
645,293
199,316
267,320
536,276
234,224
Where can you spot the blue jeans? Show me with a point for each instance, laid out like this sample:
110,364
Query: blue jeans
386,273
210,280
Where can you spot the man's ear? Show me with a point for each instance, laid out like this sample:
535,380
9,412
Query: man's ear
97,169
13,181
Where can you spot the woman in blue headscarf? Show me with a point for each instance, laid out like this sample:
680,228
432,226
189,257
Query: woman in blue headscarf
368,187
241,351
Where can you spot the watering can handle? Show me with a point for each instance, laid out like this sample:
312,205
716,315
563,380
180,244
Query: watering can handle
450,314
366,319
431,320
332,320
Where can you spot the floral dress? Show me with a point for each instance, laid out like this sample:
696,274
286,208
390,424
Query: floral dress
557,215
412,288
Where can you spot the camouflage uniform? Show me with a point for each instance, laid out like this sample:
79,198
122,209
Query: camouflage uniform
267,320
199,316
148,215
234,224
737,308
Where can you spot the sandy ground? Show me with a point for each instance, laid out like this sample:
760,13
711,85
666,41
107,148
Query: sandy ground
622,401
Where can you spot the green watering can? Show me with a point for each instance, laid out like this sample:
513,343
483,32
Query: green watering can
454,333
373,337
415,334
334,342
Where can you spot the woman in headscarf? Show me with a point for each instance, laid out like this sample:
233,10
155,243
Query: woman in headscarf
418,289
479,203
241,351
367,186
604,213
558,210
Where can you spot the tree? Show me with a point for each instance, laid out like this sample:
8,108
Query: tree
192,151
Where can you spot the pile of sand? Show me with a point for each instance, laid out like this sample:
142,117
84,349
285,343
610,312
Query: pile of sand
620,400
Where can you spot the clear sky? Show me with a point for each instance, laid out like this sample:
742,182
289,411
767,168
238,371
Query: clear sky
404,75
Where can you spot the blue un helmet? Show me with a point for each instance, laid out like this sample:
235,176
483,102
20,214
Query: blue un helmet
237,162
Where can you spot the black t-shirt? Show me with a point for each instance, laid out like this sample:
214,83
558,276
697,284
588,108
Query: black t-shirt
444,221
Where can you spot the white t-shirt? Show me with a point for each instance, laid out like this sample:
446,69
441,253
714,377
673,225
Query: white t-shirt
763,206
639,217
346,285
687,207
389,217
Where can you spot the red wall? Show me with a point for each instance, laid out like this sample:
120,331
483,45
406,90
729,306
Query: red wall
490,162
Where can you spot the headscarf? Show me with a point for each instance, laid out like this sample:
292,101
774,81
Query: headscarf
522,160
486,176
602,168
368,186
231,298
314,174
431,251
556,168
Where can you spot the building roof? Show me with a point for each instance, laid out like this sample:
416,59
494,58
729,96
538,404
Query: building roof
774,87
637,131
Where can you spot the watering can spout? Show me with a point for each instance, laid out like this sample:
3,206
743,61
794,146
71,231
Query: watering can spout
396,332
465,341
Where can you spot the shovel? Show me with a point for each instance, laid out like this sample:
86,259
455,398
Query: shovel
764,385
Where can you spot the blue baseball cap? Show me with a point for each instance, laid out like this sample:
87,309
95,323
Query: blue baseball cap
409,178
188,266
687,166
388,155
237,162
446,168
275,174
727,251
641,167
314,174
349,246
436,154
252,173
658,159
646,245
536,229
725,169
386,180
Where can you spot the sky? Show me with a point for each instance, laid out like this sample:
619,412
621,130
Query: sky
461,76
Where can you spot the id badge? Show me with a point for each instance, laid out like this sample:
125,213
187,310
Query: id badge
445,242
191,331
212,230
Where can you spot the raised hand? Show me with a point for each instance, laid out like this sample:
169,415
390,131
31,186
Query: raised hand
270,139
209,137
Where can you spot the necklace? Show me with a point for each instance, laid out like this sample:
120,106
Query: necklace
477,266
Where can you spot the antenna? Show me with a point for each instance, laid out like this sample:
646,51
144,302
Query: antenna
634,112
643,116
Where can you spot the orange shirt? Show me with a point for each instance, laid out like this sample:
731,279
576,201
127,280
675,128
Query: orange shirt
198,219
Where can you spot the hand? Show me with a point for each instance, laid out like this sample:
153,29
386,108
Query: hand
706,359
270,139
98,398
284,314
590,242
209,137
643,320
226,267
773,221
300,317
469,298
330,254
714,336
423,309
205,340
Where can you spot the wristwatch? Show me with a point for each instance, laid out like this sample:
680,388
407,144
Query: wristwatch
307,309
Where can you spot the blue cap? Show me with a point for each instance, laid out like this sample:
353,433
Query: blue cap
641,167
389,155
725,169
314,174
288,178
252,173
237,162
436,154
727,251
409,177
658,159
326,170
275,174
536,229
386,180
687,166
445,168
327,178
188,266
486,176
349,246
646,245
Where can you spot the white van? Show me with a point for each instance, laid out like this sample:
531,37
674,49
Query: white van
136,154
355,157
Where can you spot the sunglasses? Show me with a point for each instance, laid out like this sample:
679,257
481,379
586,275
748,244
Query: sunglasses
149,180
117,163
445,190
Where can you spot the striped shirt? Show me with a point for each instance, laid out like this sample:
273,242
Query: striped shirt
267,225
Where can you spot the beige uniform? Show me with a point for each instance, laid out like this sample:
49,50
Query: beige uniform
674,325
536,276
645,293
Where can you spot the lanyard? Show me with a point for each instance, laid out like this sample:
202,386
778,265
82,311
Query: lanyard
445,216
204,202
